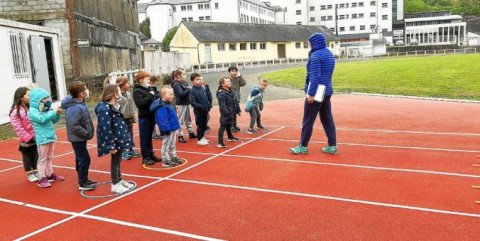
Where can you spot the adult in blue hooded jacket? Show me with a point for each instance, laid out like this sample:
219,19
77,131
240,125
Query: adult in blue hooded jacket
320,66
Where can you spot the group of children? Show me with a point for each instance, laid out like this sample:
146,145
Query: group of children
33,117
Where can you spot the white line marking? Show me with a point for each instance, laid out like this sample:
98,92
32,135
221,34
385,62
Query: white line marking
331,198
11,168
409,132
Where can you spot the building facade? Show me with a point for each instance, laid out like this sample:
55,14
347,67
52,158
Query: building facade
96,36
211,42
351,20
166,14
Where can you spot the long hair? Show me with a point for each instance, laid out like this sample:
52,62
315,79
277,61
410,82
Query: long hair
18,100
121,81
109,92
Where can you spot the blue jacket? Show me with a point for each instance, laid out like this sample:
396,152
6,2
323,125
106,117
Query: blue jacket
165,116
77,118
199,100
320,66
112,132
42,120
228,105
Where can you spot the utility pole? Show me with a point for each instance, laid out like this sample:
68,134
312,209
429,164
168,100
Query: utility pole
336,19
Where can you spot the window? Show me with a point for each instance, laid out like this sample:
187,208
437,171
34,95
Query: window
221,47
332,29
384,30
312,8
305,45
352,28
201,18
206,6
354,5
341,16
189,7
184,19
323,7
342,29
360,4
298,45
263,46
323,18
384,5
299,23
362,27
373,26
312,19
216,5
243,46
298,1
232,46
190,19
200,6
341,5
183,8
329,6
298,12
384,17
354,16
19,54
360,15
207,18
174,8
330,18
373,14
373,3
253,46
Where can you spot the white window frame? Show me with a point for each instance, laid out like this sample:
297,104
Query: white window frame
19,54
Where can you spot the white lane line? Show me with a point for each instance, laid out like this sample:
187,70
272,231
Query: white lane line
409,132
11,168
138,189
108,220
331,198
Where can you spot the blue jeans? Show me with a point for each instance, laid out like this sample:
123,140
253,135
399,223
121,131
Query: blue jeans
82,160
324,110
146,129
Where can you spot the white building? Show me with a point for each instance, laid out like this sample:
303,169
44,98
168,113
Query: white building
31,57
435,28
473,39
166,14
352,20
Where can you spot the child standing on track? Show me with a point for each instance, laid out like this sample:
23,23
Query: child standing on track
79,130
112,135
206,87
201,106
42,118
228,109
237,81
167,121
255,104
153,87
25,134
182,93
129,112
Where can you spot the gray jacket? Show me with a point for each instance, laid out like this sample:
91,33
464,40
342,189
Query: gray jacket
129,110
79,123
237,82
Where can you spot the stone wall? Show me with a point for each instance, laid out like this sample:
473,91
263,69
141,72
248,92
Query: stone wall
473,23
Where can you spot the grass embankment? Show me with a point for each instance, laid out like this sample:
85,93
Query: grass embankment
450,76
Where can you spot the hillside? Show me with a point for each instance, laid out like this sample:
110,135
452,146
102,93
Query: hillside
463,7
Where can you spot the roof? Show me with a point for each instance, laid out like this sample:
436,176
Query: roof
247,32
142,7
150,41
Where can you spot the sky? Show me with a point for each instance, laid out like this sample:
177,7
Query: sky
282,3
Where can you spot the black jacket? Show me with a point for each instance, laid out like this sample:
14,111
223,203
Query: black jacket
228,105
199,100
143,99
181,92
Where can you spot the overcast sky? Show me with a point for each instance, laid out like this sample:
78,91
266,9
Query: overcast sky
282,3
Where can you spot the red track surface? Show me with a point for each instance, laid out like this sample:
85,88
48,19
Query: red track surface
404,172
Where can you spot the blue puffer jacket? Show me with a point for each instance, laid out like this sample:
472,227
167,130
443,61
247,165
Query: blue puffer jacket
112,131
228,105
199,100
165,116
77,118
320,66
42,120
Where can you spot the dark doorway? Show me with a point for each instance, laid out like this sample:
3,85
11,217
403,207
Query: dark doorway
281,51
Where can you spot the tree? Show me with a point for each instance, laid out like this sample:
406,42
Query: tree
168,38
145,27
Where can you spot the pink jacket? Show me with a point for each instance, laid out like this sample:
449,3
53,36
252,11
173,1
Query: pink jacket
22,125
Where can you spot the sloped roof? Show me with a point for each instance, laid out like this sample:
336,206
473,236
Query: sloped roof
142,7
247,32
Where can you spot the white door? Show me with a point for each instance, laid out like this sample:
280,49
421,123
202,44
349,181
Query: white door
208,54
39,59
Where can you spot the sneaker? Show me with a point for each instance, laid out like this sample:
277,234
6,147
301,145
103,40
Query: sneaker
252,131
260,127
237,128
181,139
234,129
43,182
202,142
126,155
156,137
192,135
86,186
32,177
299,150
156,159
208,129
232,139
176,160
127,184
221,145
168,163
55,178
147,161
119,188
330,150
205,139
92,182
133,153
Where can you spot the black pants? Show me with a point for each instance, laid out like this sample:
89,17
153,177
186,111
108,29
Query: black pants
146,126
82,160
201,121
254,116
29,157
115,167
310,113
221,130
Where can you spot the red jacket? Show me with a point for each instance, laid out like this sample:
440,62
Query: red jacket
22,125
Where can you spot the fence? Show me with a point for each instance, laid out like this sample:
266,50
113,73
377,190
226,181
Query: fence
413,53
161,63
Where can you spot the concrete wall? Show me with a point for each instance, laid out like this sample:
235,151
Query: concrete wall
162,63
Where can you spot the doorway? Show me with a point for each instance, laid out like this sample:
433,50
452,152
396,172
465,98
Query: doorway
281,51
43,65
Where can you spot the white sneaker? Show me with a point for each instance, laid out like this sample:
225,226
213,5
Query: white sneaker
118,188
205,139
202,142
126,184
32,177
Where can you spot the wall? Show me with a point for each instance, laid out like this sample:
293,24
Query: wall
162,63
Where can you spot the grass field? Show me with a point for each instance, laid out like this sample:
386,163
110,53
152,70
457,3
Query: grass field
450,76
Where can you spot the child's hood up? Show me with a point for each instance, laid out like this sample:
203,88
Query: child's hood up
36,95
318,41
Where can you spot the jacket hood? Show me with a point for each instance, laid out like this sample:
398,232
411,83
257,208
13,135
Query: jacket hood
36,95
69,101
256,87
318,41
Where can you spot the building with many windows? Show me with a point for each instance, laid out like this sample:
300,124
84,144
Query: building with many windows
351,20
166,14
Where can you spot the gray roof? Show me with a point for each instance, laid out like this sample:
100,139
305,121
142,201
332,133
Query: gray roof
151,41
247,32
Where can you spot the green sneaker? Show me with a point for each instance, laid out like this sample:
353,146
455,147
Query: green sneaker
330,150
299,150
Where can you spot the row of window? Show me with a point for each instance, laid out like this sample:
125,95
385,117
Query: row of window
354,16
345,5
248,19
254,8
201,18
362,27
242,46
201,6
